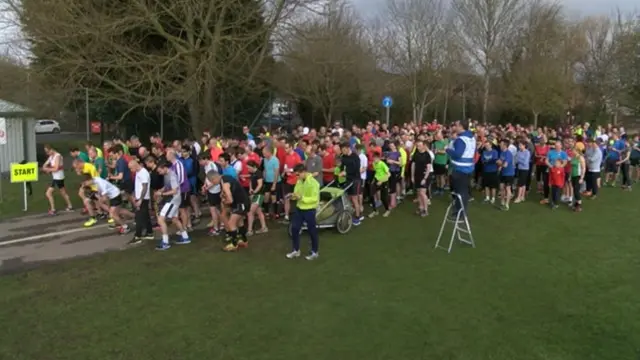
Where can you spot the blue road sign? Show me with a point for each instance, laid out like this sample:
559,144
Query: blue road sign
387,102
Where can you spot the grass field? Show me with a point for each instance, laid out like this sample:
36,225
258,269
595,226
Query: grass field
12,203
541,284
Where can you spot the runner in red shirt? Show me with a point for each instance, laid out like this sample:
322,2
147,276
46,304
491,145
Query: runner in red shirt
541,151
291,159
328,163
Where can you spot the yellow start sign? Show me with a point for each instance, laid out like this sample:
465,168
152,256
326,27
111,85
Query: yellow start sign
24,172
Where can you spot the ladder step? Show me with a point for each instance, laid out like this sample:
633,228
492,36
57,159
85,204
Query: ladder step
463,230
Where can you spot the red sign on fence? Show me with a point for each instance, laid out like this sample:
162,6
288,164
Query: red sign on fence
96,128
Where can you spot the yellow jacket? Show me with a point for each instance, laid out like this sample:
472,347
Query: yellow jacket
308,192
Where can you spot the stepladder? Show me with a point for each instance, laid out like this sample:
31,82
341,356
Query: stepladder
456,216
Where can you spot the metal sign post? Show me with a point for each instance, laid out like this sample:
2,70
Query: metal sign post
23,173
386,103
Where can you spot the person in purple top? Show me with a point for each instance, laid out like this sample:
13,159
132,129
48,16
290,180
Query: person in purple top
185,187
395,178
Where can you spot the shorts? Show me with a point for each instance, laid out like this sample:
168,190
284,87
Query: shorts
214,200
126,187
417,182
490,180
506,180
440,169
611,166
267,187
356,188
246,189
287,189
185,201
57,184
257,199
239,208
523,175
394,180
92,195
169,210
116,201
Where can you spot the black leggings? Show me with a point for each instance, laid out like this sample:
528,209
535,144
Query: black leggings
575,183
592,182
540,170
545,184
384,194
394,180
624,169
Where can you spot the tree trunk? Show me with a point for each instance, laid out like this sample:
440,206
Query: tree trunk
485,96
446,106
535,119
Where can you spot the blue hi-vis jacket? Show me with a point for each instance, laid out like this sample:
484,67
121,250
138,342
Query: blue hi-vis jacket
462,152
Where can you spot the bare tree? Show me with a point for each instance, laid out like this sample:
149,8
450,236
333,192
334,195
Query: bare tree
143,52
413,45
326,61
483,29
539,71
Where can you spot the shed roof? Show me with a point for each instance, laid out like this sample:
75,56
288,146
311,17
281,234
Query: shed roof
7,107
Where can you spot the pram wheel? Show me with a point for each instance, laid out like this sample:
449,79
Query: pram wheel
344,221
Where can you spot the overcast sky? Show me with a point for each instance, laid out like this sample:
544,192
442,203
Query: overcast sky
573,7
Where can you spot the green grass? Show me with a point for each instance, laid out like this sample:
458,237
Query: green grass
12,203
541,284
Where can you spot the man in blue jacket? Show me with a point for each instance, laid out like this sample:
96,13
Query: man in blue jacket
461,152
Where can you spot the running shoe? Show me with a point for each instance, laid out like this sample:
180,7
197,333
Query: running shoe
213,232
110,221
135,241
163,246
230,248
124,230
52,213
262,231
293,254
91,222
183,241
243,244
373,214
312,256
386,213
148,237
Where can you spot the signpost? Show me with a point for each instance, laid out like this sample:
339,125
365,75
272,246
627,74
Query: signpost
3,141
3,131
24,173
386,103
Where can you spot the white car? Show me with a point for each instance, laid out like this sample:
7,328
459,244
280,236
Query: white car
47,127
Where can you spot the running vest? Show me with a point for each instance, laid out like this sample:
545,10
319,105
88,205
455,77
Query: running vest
576,169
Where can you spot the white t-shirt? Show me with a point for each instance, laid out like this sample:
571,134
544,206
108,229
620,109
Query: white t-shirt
211,166
363,164
106,188
237,165
142,177
197,147
57,175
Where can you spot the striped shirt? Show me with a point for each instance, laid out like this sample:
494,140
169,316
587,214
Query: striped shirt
181,173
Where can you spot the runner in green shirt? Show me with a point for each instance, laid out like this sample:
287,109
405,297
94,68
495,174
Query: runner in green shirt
380,185
80,155
440,162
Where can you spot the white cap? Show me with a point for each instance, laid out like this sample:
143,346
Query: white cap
305,131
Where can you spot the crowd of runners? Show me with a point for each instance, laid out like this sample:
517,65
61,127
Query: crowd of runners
248,181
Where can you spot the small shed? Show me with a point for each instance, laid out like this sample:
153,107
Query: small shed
20,135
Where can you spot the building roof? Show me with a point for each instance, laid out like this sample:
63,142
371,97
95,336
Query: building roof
7,107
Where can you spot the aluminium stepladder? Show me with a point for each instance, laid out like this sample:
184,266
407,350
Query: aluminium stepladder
460,224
